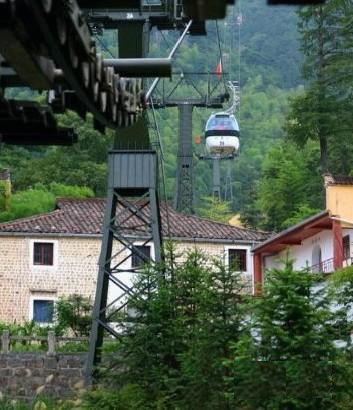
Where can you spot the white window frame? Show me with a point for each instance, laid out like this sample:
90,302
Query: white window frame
142,243
37,268
247,248
31,307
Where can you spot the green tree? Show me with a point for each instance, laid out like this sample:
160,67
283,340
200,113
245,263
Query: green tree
215,209
178,333
323,111
291,186
40,199
288,357
341,283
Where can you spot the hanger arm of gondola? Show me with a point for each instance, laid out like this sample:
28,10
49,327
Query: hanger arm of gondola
170,56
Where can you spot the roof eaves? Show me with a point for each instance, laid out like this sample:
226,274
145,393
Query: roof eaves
215,240
31,218
291,229
52,234
99,235
232,227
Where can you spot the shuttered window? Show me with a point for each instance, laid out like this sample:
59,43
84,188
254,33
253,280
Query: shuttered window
237,259
43,253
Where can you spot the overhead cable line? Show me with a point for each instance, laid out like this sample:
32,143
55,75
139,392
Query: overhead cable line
239,23
164,38
104,46
157,129
162,163
170,56
220,54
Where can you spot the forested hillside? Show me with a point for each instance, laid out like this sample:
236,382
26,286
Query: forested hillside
269,72
274,161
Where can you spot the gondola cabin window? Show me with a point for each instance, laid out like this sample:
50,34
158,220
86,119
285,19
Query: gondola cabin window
43,253
137,260
237,259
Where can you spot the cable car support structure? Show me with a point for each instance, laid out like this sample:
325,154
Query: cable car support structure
49,46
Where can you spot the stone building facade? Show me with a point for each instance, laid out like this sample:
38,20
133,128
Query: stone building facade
51,255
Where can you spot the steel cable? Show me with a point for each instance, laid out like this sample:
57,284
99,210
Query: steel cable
162,162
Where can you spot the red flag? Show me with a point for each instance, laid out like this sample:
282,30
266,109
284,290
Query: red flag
219,69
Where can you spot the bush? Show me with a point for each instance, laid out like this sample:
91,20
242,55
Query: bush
75,313
69,191
174,344
27,203
290,346
41,199
129,397
29,328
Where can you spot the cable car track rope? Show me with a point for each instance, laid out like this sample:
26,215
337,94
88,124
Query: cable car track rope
220,55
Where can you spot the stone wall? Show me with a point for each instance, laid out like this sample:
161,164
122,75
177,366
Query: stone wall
74,270
23,375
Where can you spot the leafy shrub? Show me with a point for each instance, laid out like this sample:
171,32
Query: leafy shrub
69,191
27,203
174,343
74,312
29,328
73,347
129,397
41,199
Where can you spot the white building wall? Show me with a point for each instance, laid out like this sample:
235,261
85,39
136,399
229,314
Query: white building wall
302,254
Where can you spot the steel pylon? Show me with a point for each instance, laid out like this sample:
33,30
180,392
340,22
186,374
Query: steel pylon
132,213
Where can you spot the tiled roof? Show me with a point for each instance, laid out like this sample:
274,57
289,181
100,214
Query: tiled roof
85,217
343,180
338,179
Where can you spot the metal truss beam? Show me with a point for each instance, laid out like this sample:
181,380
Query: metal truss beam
228,190
132,213
184,183
216,190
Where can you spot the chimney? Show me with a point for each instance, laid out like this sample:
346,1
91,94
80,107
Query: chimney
5,188
328,179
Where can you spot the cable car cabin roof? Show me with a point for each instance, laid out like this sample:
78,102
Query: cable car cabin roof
222,121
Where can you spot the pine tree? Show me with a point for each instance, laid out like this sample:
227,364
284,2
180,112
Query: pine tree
174,344
288,358
322,112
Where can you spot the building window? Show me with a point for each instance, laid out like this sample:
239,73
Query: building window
137,260
316,260
43,311
43,253
346,247
237,259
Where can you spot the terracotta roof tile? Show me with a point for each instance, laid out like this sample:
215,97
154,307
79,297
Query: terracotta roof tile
338,180
85,216
343,180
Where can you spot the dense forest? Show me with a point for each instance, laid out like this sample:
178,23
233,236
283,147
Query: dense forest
293,115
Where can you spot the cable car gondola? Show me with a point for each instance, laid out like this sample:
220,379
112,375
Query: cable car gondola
222,134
